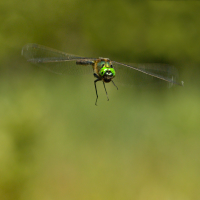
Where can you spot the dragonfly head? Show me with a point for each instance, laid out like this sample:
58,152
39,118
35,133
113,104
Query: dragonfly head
106,71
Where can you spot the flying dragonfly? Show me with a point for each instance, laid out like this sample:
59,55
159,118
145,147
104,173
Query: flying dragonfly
103,69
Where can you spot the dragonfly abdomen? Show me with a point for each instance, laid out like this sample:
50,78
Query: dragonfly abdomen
84,62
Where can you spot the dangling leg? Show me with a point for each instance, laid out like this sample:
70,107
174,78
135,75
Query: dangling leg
114,84
105,90
95,75
96,90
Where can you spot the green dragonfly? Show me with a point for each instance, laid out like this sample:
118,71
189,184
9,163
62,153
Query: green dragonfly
103,69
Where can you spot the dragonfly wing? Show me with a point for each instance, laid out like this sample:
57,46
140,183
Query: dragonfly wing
130,74
55,61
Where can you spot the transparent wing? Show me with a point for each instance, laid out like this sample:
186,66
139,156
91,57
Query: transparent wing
55,61
131,74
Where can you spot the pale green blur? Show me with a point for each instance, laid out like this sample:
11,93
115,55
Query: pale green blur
143,144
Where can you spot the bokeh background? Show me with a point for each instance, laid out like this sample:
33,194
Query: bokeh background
143,144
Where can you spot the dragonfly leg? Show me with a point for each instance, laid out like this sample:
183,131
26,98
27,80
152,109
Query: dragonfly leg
95,75
114,84
96,89
105,90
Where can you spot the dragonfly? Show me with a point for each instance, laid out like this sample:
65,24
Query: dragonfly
103,69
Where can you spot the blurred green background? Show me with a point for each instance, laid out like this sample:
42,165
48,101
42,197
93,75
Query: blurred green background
143,144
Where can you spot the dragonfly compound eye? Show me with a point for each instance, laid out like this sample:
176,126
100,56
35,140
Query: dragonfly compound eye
107,72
